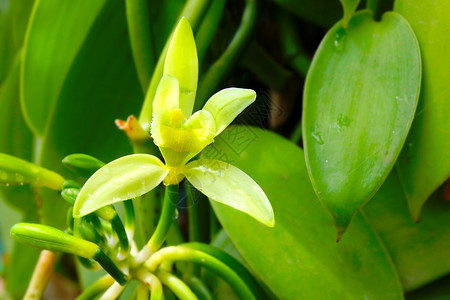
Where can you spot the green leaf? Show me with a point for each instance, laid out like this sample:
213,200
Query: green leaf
227,104
424,163
360,96
15,139
141,39
228,185
46,65
122,179
406,240
100,86
301,243
19,143
12,31
182,63
349,7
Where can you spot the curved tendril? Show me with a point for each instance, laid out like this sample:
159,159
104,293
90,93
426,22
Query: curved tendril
181,253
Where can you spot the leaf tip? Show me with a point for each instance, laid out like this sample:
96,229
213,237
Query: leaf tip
341,222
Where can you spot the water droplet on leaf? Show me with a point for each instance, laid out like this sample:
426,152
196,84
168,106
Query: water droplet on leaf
338,44
317,137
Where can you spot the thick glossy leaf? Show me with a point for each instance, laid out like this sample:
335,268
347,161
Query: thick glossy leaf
360,96
15,139
13,24
227,104
100,86
424,163
302,242
419,250
182,63
141,39
122,179
349,7
228,185
46,65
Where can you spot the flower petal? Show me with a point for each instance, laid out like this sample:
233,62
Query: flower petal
182,63
227,104
227,184
167,94
122,179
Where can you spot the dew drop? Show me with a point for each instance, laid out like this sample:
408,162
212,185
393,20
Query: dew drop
19,177
339,40
343,121
317,137
326,161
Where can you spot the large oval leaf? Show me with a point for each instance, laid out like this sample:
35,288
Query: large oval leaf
359,101
424,163
15,139
125,178
101,85
406,240
46,64
301,244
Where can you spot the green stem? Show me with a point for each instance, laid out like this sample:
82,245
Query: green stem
291,46
181,253
110,267
208,28
198,212
193,11
194,220
373,6
153,282
229,58
214,225
176,285
141,39
265,68
145,213
113,292
130,219
41,275
166,219
142,292
199,288
297,135
95,289
118,228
